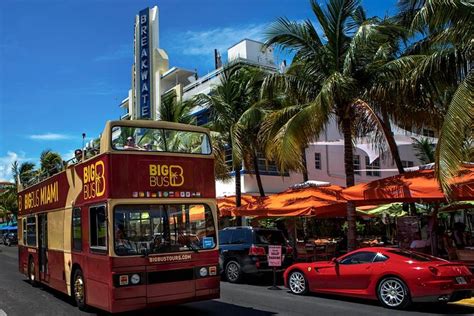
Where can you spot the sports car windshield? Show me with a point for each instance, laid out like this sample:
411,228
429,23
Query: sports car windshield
163,228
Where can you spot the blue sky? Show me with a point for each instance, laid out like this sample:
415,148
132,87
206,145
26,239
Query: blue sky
65,65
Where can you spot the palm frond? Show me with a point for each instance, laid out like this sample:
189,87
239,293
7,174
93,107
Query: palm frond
458,126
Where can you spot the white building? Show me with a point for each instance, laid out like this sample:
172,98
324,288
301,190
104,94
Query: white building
325,157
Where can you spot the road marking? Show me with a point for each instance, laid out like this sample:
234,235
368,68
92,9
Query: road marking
2,312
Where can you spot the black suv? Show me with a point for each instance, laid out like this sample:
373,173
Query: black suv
243,250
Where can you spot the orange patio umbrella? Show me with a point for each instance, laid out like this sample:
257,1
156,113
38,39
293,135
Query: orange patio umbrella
309,201
415,186
227,203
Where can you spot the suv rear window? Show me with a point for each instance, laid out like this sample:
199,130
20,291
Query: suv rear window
269,237
411,255
241,236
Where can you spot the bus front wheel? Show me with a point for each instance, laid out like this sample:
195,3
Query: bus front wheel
79,289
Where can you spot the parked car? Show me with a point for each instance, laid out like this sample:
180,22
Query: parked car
393,276
243,250
11,239
3,236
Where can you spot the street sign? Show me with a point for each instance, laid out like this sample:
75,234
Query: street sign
274,256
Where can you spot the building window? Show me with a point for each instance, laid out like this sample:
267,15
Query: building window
267,167
76,229
317,161
407,164
372,168
428,132
31,231
356,164
98,228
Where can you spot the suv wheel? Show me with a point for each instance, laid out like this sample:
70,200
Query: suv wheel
233,272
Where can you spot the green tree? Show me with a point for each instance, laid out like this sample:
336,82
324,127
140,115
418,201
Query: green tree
227,102
424,150
178,111
251,122
339,71
439,64
23,172
50,163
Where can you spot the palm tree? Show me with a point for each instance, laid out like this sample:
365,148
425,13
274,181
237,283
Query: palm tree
50,163
339,71
424,150
227,103
23,172
250,123
178,111
441,61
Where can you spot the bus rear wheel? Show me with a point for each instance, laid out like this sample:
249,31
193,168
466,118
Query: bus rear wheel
79,289
32,272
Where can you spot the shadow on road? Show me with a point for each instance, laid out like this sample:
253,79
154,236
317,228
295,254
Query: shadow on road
198,308
431,308
203,308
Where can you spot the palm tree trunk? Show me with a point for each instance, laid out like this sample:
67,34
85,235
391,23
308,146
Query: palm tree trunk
305,165
238,194
387,130
257,174
350,181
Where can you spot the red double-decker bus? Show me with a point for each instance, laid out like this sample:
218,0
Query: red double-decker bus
130,228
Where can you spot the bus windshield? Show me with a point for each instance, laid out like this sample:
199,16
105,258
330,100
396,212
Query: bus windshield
163,228
160,140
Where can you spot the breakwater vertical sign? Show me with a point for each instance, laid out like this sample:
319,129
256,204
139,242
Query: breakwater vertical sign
145,62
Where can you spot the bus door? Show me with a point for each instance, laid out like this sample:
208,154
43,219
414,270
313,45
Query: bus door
43,246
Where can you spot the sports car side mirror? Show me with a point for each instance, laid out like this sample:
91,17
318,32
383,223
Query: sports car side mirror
334,260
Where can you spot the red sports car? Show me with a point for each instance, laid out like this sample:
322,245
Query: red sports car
393,276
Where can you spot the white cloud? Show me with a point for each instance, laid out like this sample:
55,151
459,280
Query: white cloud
49,136
6,164
197,43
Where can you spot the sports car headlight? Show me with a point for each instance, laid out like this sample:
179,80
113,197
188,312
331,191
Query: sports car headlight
135,279
203,272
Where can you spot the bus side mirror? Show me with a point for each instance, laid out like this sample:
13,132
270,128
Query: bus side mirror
145,252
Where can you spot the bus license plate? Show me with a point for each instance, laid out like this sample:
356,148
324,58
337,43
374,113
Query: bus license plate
461,280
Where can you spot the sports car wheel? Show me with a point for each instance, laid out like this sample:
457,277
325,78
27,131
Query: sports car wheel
297,283
393,293
233,273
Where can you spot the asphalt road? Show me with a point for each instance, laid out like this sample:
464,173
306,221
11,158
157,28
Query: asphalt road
18,297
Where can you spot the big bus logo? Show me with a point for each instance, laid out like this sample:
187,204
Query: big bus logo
166,175
94,180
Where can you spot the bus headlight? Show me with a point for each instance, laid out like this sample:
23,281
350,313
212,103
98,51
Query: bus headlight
135,279
203,272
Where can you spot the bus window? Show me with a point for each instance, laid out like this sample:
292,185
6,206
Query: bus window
163,228
76,229
160,140
23,226
31,231
98,229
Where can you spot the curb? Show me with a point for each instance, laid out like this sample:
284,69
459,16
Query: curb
466,302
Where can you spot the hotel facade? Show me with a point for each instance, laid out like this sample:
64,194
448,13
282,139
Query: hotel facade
153,78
